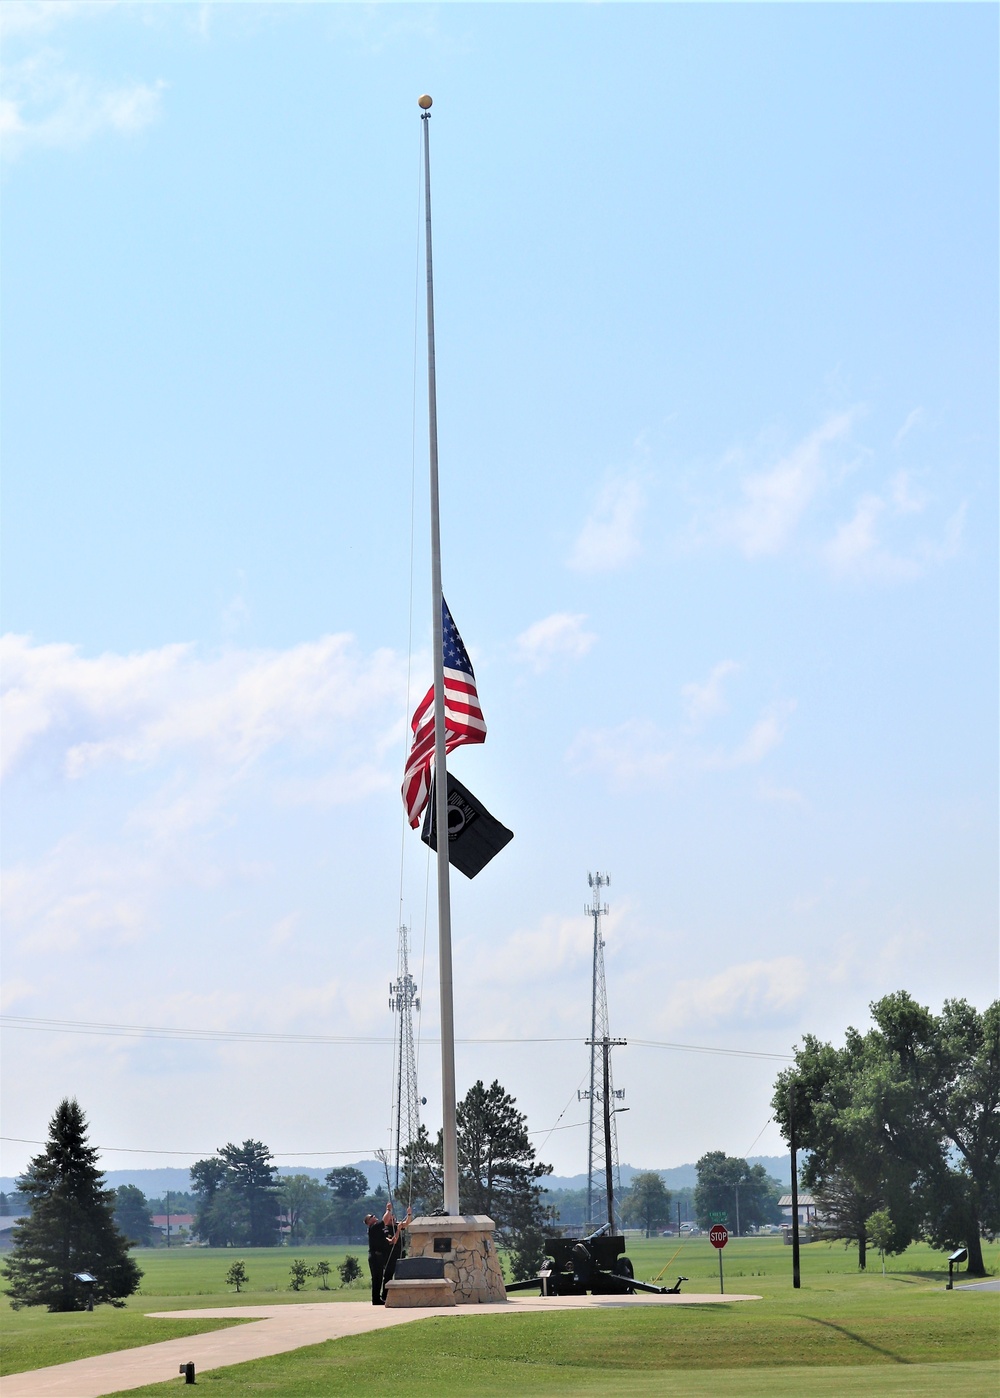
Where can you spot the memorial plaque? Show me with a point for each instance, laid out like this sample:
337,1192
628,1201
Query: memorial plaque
442,1245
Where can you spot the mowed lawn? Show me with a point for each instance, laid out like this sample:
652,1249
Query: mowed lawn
843,1332
173,1279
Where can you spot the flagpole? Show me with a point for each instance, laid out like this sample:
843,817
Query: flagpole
448,1098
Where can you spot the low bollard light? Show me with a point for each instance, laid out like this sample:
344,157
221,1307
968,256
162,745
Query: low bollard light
188,1371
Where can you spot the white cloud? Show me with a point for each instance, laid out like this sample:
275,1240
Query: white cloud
854,547
559,636
14,989
632,754
47,102
753,992
905,500
763,738
782,795
775,500
231,707
163,746
609,537
704,701
49,107
34,17
857,551
547,951
79,896
913,419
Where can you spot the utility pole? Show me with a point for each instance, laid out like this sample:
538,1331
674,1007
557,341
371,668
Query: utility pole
610,1156
602,1135
403,1001
796,1276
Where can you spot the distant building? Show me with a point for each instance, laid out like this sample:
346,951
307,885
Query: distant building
808,1213
181,1227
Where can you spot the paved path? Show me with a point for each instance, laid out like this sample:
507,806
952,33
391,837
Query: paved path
274,1330
993,1285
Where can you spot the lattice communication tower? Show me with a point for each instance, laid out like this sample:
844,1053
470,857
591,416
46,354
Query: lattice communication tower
406,1101
603,1177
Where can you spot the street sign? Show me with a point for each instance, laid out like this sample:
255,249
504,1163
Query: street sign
719,1216
719,1236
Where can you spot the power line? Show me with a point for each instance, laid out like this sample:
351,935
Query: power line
145,1150
705,1048
76,1026
155,1031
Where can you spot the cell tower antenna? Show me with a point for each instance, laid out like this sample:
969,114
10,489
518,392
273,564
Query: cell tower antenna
603,1176
403,1001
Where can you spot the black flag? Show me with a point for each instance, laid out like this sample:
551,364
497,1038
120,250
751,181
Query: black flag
474,836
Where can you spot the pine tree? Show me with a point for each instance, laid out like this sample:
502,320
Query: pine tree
71,1228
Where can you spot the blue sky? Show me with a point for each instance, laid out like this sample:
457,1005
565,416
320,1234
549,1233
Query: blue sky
717,337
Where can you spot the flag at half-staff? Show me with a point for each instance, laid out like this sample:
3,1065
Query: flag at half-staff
463,719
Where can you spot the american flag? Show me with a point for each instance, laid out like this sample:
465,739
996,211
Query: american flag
463,719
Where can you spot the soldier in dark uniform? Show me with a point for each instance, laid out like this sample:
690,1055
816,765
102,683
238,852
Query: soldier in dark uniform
378,1255
384,1247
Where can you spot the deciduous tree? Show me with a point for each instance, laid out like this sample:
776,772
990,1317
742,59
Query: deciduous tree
905,1118
132,1214
647,1201
745,1193
306,1203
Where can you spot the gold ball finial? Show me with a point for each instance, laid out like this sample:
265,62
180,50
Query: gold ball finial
425,101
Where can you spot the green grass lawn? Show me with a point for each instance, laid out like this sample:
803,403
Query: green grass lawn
843,1331
840,1334
173,1279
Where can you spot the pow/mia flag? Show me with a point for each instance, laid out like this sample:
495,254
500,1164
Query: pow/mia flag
474,836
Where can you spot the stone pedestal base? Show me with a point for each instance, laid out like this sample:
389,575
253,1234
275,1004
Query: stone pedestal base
420,1292
465,1245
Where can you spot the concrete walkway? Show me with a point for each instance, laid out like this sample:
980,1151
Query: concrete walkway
274,1330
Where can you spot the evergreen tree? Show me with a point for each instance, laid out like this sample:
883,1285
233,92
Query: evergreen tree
498,1172
71,1228
253,1180
237,1197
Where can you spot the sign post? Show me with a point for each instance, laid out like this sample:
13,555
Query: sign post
719,1237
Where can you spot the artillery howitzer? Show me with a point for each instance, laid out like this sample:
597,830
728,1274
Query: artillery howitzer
596,1264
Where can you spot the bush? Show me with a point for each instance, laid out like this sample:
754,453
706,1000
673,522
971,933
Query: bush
350,1270
237,1276
298,1273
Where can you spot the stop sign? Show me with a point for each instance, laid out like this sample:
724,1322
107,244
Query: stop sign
719,1236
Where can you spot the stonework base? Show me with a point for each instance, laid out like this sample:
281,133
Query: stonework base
464,1243
420,1292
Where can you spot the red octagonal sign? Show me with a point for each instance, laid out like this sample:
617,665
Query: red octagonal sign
719,1236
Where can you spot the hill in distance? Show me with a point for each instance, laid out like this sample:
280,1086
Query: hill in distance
154,1183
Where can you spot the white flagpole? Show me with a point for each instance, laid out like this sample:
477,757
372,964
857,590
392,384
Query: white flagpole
448,1099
